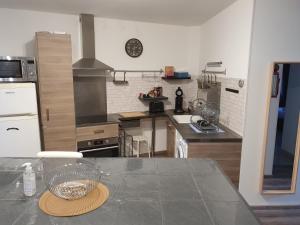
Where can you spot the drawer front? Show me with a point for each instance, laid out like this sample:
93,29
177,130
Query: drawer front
96,132
19,136
18,99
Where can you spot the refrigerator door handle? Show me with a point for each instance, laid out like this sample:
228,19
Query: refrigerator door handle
10,92
17,115
12,128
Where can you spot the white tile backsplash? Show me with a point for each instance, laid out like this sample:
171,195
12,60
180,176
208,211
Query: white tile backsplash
124,98
232,106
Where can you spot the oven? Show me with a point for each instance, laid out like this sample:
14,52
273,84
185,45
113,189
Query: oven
107,147
17,69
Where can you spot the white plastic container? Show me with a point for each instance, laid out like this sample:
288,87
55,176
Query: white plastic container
29,180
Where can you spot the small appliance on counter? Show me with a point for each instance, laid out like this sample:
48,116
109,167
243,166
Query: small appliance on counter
156,107
178,101
155,96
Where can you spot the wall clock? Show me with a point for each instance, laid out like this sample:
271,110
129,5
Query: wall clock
134,47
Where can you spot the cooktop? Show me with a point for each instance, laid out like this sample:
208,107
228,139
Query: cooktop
92,120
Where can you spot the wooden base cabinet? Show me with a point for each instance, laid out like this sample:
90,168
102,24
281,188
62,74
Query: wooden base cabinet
55,89
228,156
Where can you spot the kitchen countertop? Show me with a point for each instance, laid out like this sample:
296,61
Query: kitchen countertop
186,131
147,115
142,192
190,135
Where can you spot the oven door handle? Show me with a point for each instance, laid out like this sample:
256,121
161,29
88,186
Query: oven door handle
99,149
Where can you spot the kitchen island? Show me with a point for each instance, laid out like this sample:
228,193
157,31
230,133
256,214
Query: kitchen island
142,192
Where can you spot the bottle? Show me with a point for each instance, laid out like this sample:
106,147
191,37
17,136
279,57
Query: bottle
29,180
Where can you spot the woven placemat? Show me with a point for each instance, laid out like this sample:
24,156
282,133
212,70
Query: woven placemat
54,206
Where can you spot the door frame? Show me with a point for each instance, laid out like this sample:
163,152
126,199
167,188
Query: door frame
265,141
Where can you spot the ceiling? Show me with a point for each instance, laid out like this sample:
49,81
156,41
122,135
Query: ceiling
177,12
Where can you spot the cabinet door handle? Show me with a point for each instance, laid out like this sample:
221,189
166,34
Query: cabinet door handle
98,131
12,128
47,115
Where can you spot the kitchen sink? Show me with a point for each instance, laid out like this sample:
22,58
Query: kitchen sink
186,118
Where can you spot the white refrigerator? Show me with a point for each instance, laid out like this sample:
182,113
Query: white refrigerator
19,123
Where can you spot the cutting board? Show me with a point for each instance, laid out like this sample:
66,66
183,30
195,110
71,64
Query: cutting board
132,114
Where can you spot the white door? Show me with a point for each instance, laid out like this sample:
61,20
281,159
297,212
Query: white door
19,136
17,98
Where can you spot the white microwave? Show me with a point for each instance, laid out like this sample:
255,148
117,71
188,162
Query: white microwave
17,69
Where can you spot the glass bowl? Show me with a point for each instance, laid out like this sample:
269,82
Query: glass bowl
72,180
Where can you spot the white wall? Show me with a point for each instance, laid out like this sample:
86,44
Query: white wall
275,37
227,36
194,50
163,45
19,27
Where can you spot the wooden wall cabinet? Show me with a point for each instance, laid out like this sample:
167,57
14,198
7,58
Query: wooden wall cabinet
171,139
227,154
56,93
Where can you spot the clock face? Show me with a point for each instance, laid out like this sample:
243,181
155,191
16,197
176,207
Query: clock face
134,47
179,92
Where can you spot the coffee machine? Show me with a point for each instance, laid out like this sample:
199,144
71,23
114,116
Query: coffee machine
178,101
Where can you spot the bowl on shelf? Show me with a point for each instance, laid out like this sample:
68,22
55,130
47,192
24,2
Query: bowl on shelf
72,180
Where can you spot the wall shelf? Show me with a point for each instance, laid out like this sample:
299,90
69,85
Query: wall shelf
176,78
153,99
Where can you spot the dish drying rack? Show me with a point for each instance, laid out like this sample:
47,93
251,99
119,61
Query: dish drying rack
209,113
208,76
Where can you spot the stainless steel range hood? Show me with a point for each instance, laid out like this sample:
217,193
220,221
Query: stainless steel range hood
89,63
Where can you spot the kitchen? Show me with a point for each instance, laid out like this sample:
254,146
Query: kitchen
107,113
83,86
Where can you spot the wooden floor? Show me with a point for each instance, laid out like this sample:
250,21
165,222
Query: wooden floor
278,215
277,183
161,154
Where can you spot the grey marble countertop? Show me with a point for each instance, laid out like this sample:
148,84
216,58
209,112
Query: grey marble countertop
142,192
